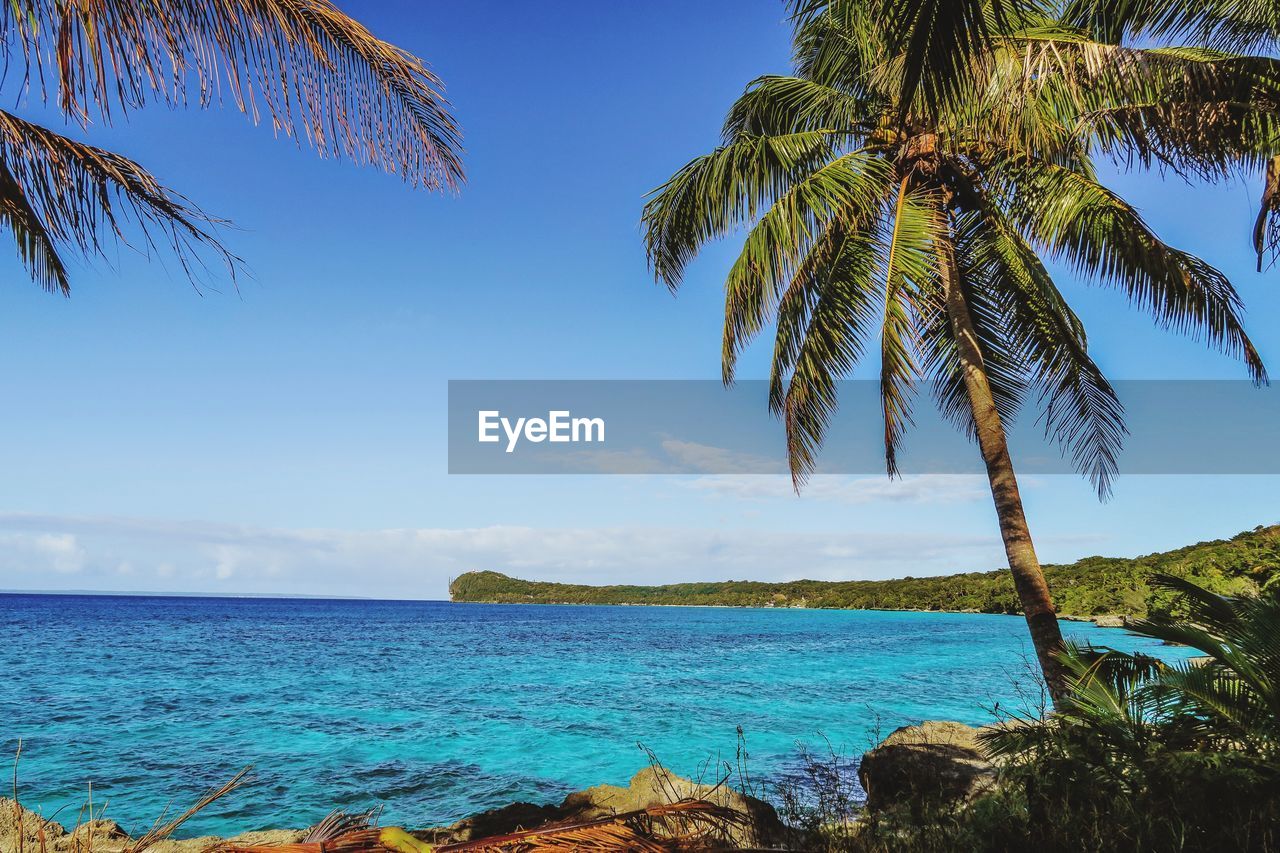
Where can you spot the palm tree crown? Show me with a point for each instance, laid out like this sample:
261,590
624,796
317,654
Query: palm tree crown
850,193
903,191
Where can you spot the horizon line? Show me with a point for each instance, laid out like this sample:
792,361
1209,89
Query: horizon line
103,593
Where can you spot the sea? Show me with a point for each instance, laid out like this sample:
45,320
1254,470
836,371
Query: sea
432,710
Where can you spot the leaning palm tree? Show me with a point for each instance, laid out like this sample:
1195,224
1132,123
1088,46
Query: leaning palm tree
903,190
311,70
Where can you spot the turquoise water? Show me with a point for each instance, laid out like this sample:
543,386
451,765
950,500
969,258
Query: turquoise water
436,710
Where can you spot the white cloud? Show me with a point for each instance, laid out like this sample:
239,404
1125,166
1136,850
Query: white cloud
671,456
165,555
923,488
56,552
705,458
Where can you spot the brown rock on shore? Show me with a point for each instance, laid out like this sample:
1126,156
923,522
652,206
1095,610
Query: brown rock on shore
934,763
648,788
102,836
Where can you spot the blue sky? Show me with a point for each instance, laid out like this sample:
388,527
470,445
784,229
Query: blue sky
290,437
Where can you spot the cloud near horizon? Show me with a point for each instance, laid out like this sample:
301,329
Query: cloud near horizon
53,552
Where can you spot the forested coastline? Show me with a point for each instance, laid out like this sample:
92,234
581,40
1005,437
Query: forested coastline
1088,588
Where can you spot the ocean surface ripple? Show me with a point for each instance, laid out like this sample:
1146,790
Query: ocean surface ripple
435,710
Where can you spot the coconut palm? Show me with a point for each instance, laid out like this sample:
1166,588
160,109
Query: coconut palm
903,191
309,69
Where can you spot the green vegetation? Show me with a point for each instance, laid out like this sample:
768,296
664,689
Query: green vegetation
1094,586
1141,754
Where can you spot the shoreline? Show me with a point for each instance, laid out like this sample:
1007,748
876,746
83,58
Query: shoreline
1102,620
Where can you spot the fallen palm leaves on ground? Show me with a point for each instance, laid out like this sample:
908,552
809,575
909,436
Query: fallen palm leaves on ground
683,825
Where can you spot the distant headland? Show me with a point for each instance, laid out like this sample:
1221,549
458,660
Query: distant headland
1107,590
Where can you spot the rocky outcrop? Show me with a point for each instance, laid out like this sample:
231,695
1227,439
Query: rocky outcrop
21,829
934,764
648,788
500,821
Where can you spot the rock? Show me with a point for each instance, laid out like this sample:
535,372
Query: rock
200,845
500,821
1111,620
21,828
648,788
932,764
103,836
98,830
654,787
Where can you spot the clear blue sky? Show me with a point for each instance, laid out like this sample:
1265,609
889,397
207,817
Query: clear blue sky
290,437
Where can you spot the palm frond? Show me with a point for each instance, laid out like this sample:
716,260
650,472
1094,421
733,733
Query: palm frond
313,71
851,186
935,45
1075,217
720,191
339,822
775,105
1223,24
56,192
674,826
1080,409
161,832
36,246
825,318
910,269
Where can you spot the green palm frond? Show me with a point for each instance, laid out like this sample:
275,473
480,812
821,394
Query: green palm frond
729,187
824,319
1074,217
936,46
852,186
1235,25
910,270
1080,409
775,105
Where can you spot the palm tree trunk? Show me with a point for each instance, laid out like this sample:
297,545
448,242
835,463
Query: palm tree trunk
1028,579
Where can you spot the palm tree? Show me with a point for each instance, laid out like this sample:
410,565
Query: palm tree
903,189
315,73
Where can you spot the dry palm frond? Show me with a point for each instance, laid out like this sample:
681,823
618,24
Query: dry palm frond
159,833
56,192
684,825
338,823
370,840
312,70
